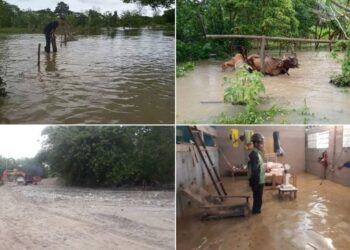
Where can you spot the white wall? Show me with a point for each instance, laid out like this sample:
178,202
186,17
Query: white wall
337,156
292,140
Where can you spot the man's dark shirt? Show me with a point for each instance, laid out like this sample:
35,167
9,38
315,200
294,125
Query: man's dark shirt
255,168
51,26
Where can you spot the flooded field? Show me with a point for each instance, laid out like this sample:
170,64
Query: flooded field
124,78
48,216
200,93
317,219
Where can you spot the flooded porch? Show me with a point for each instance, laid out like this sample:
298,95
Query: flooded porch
317,219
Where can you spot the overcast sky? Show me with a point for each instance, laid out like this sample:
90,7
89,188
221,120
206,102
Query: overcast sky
18,141
80,5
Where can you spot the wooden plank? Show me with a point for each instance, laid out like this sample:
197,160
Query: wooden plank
53,41
275,38
39,45
262,55
184,148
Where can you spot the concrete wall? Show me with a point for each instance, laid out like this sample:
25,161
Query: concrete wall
189,170
190,167
337,156
292,140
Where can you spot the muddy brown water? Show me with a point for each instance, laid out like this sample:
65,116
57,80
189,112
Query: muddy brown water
317,219
124,78
199,96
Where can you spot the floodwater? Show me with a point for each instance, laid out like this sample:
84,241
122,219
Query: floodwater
317,219
200,93
124,78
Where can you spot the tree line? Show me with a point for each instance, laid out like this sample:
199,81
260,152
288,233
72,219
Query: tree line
290,18
11,17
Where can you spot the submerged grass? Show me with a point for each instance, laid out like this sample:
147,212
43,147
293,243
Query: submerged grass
252,116
306,112
184,68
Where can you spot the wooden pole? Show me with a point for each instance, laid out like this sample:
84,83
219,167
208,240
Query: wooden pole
53,41
275,38
39,45
262,55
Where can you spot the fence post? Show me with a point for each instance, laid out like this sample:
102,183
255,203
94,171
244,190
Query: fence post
39,45
262,54
54,46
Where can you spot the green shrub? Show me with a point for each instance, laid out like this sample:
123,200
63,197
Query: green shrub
244,88
182,69
252,116
342,80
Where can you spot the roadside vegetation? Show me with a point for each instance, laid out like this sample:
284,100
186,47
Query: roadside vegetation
103,156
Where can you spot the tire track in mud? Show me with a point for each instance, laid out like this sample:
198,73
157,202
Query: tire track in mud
35,223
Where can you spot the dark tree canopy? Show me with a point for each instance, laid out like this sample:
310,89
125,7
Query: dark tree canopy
89,22
289,18
153,3
110,156
62,9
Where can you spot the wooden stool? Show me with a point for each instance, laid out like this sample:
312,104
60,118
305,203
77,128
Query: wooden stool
291,190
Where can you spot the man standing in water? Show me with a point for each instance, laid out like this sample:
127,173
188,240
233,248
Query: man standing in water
49,32
256,172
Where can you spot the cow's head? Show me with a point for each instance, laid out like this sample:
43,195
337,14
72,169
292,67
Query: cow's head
290,61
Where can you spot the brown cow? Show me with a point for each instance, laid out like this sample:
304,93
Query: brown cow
233,62
273,66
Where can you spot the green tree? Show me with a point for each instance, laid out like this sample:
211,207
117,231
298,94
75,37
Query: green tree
290,18
153,3
62,9
110,156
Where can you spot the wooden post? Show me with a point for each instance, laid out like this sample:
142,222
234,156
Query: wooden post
262,54
53,41
272,38
39,45
65,38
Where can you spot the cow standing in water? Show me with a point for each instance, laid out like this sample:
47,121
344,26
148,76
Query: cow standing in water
233,62
239,57
273,66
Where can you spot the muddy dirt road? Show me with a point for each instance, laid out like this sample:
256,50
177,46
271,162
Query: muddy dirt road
53,217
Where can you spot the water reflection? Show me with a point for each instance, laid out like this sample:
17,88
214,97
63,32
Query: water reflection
50,62
132,32
112,33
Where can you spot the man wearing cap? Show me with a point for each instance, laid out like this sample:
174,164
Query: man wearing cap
256,172
49,32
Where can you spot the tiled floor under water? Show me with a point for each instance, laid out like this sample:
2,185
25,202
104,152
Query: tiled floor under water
318,219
